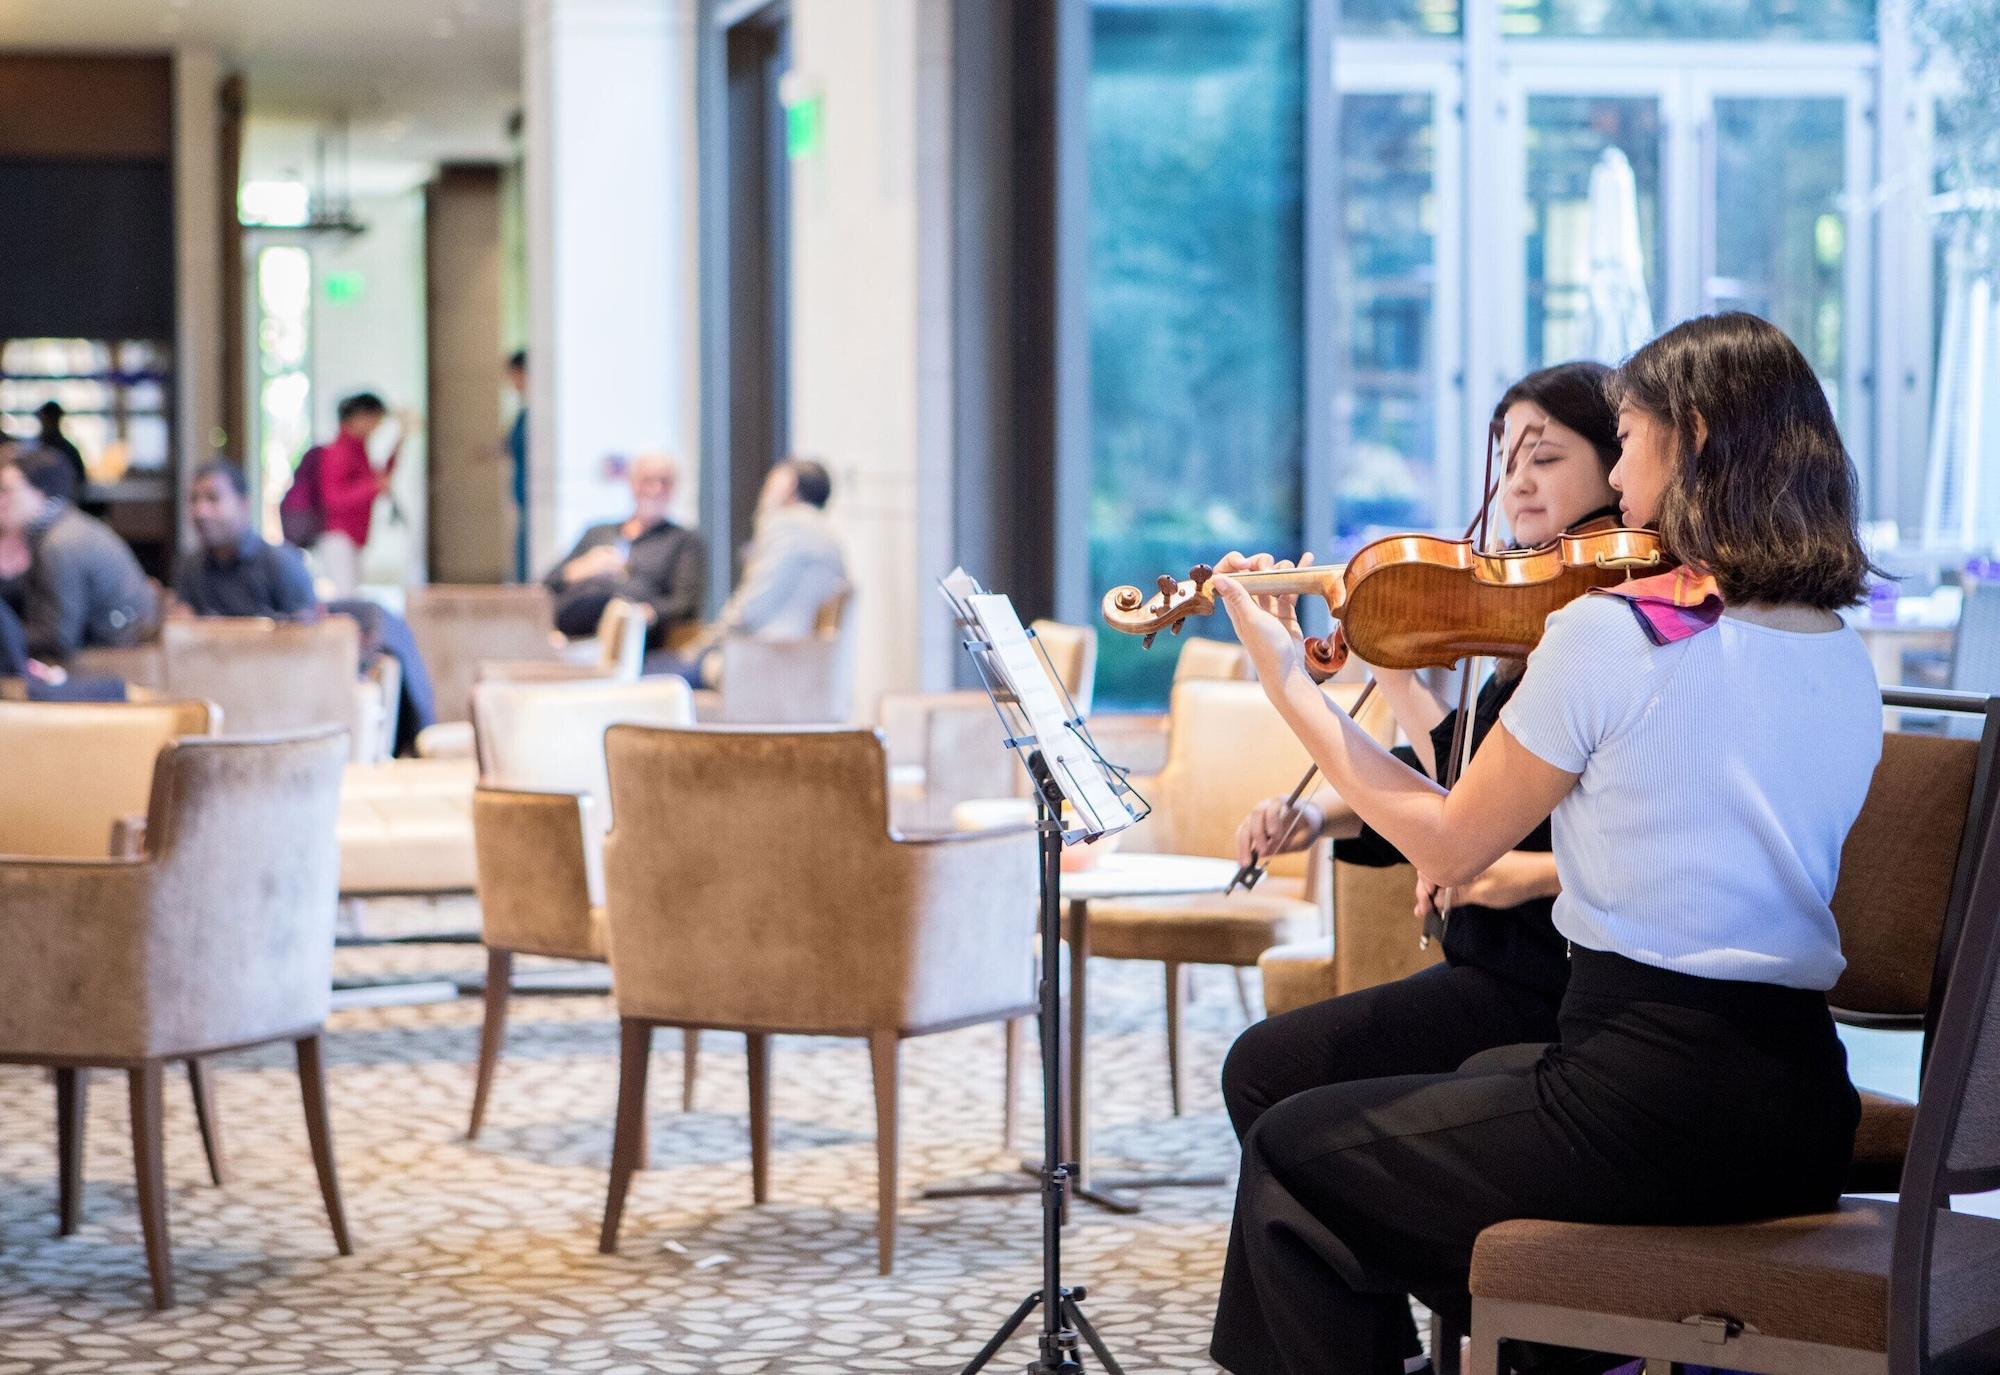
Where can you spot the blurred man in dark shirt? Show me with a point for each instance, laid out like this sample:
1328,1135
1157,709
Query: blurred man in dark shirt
644,558
236,572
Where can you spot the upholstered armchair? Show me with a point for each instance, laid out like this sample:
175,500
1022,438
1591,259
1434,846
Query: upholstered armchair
218,935
456,627
1227,750
1138,740
539,819
789,682
839,929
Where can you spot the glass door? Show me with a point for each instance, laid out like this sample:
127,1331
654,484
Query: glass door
1777,236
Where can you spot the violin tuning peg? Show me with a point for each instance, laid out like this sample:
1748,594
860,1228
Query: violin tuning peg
1168,586
1147,642
1200,574
1178,625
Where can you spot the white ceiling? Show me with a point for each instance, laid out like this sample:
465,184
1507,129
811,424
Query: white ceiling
418,81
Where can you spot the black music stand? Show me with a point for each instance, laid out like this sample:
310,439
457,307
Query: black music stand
1065,767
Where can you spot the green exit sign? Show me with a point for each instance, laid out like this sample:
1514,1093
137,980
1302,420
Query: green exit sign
805,127
345,288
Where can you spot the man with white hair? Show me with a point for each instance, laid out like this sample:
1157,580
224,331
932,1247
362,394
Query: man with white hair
643,558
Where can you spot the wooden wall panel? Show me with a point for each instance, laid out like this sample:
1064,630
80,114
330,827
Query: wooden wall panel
84,108
471,513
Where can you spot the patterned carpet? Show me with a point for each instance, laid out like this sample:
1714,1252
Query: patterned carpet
482,1257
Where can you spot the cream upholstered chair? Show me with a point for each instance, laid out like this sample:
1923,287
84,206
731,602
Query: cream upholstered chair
1228,749
539,819
52,809
1138,740
457,626
792,682
841,930
220,935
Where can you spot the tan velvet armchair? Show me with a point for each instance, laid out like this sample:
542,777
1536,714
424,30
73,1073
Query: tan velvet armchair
219,935
753,885
456,627
539,818
52,809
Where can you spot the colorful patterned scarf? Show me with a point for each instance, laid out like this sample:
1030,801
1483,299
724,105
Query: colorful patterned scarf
1672,606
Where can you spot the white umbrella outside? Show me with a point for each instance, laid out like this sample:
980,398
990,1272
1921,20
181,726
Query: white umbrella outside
1619,316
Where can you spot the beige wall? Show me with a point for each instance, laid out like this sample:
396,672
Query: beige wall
870,362
472,512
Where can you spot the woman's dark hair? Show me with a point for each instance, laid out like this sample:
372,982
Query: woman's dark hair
1766,505
812,483
1572,393
361,403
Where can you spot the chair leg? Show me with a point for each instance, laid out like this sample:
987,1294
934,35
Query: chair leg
492,1033
635,1053
1010,1101
1243,993
150,1167
885,1051
319,1131
760,1115
1445,1341
690,1065
71,1094
1177,982
206,1118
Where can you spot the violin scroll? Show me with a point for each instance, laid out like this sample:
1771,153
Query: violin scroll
1132,611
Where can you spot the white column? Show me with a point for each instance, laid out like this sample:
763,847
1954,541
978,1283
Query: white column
610,180
871,319
198,258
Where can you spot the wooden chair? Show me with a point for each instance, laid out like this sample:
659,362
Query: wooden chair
1903,1288
843,929
539,818
218,936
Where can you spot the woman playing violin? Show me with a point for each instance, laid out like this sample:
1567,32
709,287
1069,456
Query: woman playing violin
1704,748
1505,965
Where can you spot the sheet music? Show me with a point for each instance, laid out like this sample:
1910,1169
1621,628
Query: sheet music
1072,762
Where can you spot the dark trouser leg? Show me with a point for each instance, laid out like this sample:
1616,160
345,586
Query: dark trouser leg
1428,1023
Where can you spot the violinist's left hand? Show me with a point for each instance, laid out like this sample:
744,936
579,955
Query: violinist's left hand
1509,881
1268,627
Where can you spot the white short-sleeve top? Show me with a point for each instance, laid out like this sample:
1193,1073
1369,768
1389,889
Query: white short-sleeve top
1719,777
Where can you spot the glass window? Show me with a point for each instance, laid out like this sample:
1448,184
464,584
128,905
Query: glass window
1399,18
1196,127
1386,403
1821,20
1583,299
284,387
1780,239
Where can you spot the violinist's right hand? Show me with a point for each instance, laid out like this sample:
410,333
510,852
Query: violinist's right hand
1264,829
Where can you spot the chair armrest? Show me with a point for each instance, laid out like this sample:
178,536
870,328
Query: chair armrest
128,837
74,981
445,740
971,911
537,879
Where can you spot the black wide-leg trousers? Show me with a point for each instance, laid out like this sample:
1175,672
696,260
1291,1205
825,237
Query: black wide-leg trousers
1665,1098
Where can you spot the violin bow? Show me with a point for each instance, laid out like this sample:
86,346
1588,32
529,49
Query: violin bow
1247,877
1461,726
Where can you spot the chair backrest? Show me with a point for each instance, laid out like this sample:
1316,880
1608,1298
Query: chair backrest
1227,750
551,735
1202,658
621,639
74,770
240,932
267,676
1906,867
1073,651
1955,1143
807,682
458,626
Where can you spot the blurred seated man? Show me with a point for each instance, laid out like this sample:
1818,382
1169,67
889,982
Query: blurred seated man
84,588
643,558
792,567
236,572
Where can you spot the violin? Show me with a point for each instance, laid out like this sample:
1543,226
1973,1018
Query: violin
1417,601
